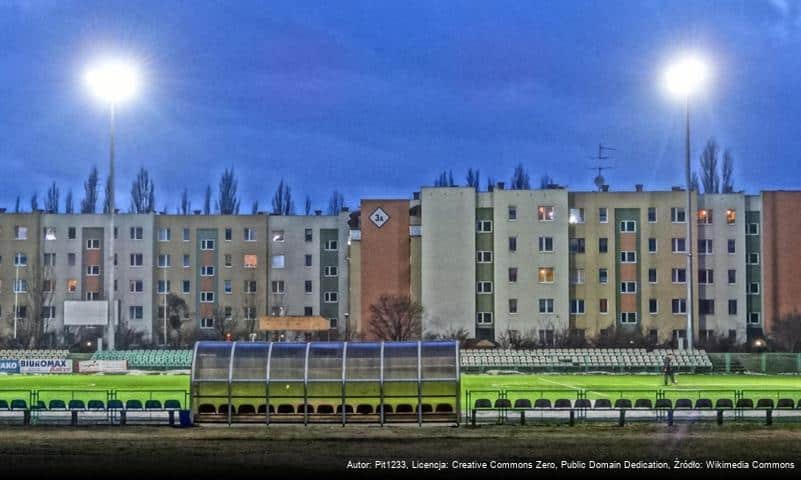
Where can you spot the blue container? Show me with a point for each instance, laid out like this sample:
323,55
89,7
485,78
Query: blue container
185,418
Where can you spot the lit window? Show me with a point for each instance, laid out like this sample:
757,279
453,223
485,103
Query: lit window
704,217
72,285
576,215
278,235
50,233
731,216
277,261
546,213
545,274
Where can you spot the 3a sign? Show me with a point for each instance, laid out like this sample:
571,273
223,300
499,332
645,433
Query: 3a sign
379,217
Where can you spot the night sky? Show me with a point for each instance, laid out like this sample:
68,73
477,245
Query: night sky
375,98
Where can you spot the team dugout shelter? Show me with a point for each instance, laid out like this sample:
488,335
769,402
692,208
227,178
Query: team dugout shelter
325,382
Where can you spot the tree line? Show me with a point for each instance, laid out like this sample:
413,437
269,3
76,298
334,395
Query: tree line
226,201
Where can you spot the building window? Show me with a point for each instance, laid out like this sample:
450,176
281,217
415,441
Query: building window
186,286
20,260
545,274
678,306
577,306
731,216
20,285
678,245
628,287
136,312
250,261
72,285
512,305
628,317
50,233
628,226
752,229
653,306
512,213
137,233
331,297
705,247
753,318
49,260
227,287
546,305
206,297
706,276
207,244
732,276
546,213
678,275
484,226
603,306
332,322
483,287
512,274
164,235
308,235
277,261
227,260
577,276
308,311
330,271
704,217
628,256
186,260
307,286
732,246
206,322
71,233
250,235
186,234
652,245
484,318
652,275
136,286
277,286
331,245
546,244
752,259
229,234
732,307
577,245
753,288
207,271
651,214
48,312
603,215
483,256
93,270
575,215
250,286
163,287
165,260
71,259
603,275
706,307
603,245
678,215
93,244
48,286
307,260
512,244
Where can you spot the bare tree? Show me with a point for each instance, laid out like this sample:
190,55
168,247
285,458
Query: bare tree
34,202
178,319
520,179
68,207
473,178
695,184
207,201
35,326
89,201
186,205
727,173
52,199
107,199
460,335
125,336
546,181
16,205
396,318
785,335
143,193
336,203
307,206
224,323
445,179
227,199
710,179
282,200
255,208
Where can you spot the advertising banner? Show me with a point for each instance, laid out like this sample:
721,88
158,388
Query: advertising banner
45,365
9,366
103,366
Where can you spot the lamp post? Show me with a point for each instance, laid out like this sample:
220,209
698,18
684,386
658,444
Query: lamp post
683,79
112,82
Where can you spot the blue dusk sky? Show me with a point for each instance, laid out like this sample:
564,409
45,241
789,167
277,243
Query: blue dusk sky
376,98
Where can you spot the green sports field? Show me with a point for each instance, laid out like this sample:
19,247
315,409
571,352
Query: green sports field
162,387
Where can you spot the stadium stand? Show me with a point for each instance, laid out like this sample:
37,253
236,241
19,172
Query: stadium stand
149,359
25,354
583,359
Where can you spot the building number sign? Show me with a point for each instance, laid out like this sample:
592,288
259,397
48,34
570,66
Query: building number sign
379,217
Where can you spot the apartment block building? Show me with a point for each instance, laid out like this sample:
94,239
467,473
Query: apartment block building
779,259
20,272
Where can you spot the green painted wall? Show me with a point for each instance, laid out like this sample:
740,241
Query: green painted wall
329,258
485,273
620,215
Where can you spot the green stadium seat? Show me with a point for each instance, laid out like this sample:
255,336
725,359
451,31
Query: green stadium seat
172,405
785,404
703,404
262,408
56,405
745,403
403,408
247,409
285,409
542,403
643,403
97,405
133,404
426,408
582,403
503,403
562,403
115,404
765,403
443,408
621,403
76,405
3,405
684,404
602,404
324,409
663,404
203,408
225,407
152,405
522,403
724,404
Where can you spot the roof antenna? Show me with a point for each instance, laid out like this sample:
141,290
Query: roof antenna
599,180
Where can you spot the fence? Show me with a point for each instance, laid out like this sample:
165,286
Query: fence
767,363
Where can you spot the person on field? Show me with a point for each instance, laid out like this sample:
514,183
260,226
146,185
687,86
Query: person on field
668,368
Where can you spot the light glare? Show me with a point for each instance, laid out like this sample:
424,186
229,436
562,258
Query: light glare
686,76
113,82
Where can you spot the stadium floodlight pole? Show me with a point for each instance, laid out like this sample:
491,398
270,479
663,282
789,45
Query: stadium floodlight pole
684,78
113,82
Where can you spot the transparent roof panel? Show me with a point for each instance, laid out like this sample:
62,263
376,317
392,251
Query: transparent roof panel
439,360
363,361
400,361
325,361
288,361
250,361
212,361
